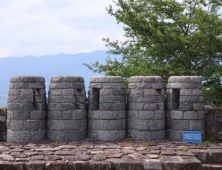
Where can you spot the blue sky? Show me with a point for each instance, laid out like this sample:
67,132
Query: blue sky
45,27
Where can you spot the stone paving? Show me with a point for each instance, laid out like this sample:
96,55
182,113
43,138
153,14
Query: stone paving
126,154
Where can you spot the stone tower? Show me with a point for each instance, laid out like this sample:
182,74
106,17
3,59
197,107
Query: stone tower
67,114
146,108
107,108
26,115
185,106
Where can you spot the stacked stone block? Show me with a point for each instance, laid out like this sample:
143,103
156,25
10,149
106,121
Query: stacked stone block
107,108
3,112
213,123
26,114
67,114
185,106
146,104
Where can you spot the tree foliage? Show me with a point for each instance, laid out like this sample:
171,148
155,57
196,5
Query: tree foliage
168,37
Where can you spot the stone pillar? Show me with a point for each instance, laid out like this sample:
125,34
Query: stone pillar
185,106
146,108
3,112
26,114
67,114
107,108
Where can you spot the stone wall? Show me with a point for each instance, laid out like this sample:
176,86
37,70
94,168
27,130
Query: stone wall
26,114
3,112
146,108
185,106
67,109
67,115
107,108
213,123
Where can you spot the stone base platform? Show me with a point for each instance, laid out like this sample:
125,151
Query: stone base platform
126,154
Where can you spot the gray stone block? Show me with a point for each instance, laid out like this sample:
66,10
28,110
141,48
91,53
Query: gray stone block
64,125
78,86
160,135
159,114
141,125
148,135
83,124
13,106
116,79
10,136
107,135
55,92
15,92
10,114
156,124
21,115
26,107
176,114
150,106
40,106
186,92
106,92
38,136
37,115
200,114
100,79
190,115
80,98
109,99
132,85
8,123
153,79
112,107
95,114
79,114
134,134
18,86
132,114
79,135
80,92
16,125
144,86
31,125
94,135
67,106
157,85
115,125
120,134
180,124
61,99
197,92
97,124
196,79
111,85
39,92
114,114
136,79
54,106
196,124
36,86
94,106
198,106
42,124
160,106
40,99
186,106
179,79
119,92
135,106
209,119
174,135
146,99
201,99
189,99
68,92
60,79
131,99
53,135
133,92
23,136
80,106
96,85
60,85
146,114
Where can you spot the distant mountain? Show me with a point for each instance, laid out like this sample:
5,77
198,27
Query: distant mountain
47,66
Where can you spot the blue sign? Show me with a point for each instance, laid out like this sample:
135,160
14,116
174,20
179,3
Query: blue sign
192,136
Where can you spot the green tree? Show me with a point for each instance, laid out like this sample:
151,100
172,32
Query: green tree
167,37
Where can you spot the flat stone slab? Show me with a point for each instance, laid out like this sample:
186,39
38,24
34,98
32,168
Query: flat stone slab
119,155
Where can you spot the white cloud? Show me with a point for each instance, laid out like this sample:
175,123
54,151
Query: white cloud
44,27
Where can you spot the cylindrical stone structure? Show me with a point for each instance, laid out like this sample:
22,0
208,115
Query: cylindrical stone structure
107,108
26,114
67,114
185,106
146,108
